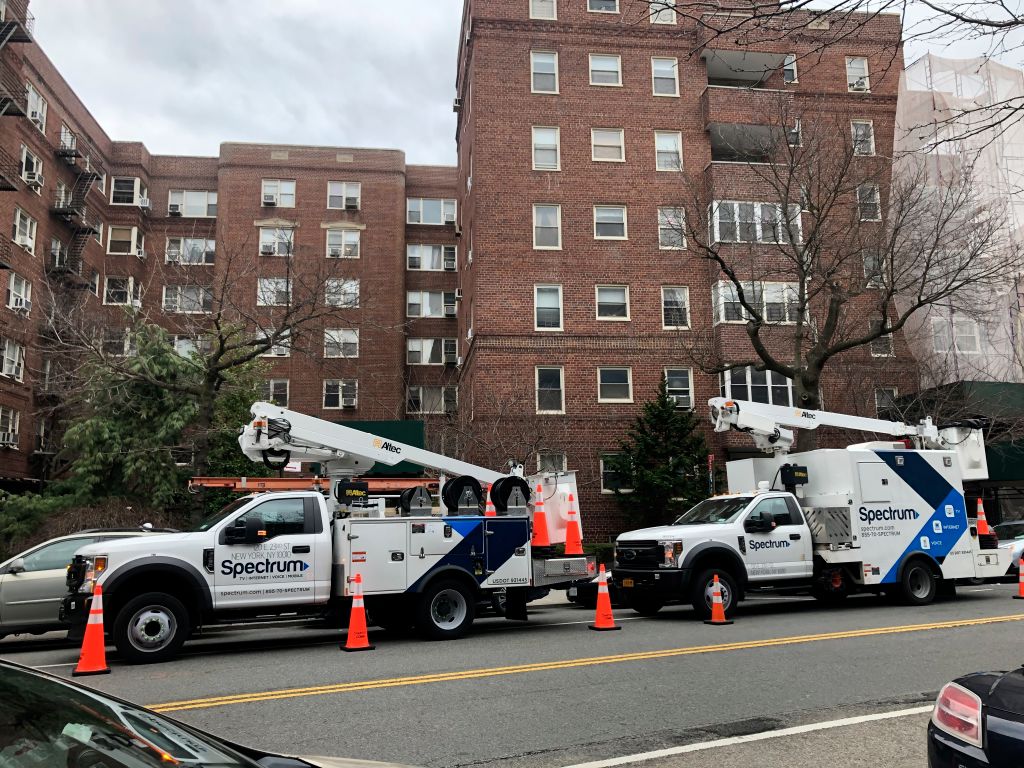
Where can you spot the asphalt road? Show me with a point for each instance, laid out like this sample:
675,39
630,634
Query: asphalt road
552,693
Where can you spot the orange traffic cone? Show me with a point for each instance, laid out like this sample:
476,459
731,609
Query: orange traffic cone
717,608
541,538
1020,583
983,526
603,620
357,638
490,511
573,535
93,659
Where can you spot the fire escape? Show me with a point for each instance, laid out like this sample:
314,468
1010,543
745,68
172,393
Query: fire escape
70,206
16,25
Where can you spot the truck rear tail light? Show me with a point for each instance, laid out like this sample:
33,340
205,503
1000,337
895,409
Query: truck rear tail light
958,713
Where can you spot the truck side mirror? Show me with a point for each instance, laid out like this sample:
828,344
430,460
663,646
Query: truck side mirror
255,531
17,566
758,522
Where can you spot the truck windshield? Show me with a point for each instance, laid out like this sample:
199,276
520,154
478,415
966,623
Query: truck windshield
211,520
718,511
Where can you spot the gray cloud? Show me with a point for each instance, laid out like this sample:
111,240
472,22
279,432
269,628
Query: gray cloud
182,77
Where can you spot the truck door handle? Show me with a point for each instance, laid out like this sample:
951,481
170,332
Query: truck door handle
794,537
301,550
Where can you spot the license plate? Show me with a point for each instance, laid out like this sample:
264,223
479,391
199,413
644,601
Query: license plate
627,582
573,591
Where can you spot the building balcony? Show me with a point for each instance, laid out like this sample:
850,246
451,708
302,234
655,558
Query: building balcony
13,97
740,105
8,172
741,68
16,23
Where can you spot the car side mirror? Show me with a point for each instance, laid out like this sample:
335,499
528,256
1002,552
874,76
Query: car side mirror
758,523
16,567
255,530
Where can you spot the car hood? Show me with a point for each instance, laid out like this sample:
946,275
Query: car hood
136,543
673,532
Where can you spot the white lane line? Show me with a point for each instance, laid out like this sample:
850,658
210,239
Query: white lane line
986,589
733,740
51,666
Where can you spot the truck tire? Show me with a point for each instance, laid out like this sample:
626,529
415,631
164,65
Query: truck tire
700,592
917,583
151,628
445,610
832,587
645,602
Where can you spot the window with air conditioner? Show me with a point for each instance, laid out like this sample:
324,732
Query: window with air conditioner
341,342
273,292
279,193
754,222
117,290
190,250
756,386
543,71
123,240
19,293
127,190
31,169
430,258
192,203
427,303
431,399
343,243
341,393
342,292
187,299
544,9
675,308
668,150
614,385
422,210
36,107
863,137
547,307
857,77
10,423
546,148
610,222
13,359
679,386
671,229
344,195
605,69
550,390
280,343
276,391
665,76
25,230
612,302
277,241
430,351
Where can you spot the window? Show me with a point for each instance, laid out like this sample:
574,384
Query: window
99,232
185,346
789,69
885,399
749,222
430,258
779,511
614,385
429,211
612,302
117,290
187,299
341,393
273,292
281,517
36,107
117,342
749,384
671,229
874,267
611,480
882,346
194,203
675,308
127,190
278,192
668,147
794,135
31,169
9,422
551,461
276,392
190,250
665,76
863,137
342,292
550,395
868,204
857,78
121,239
344,195
961,336
678,385
547,303
280,343
429,304
543,72
343,243
277,241
13,359
341,342
774,302
63,196
547,227
603,6
546,149
56,556
431,399
94,282
609,222
605,69
25,230
58,253
543,9
431,351
607,145
663,12
19,293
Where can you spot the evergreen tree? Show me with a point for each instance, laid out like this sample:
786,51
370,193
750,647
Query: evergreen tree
662,461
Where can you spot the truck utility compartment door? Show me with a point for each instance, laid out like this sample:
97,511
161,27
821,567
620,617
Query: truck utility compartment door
874,481
379,554
507,561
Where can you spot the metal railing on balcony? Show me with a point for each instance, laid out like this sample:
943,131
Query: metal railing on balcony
16,23
8,171
13,97
5,253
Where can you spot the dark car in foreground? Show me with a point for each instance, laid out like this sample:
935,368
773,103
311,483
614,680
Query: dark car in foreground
48,721
978,722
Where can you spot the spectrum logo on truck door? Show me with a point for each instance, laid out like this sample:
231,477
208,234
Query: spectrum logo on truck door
267,567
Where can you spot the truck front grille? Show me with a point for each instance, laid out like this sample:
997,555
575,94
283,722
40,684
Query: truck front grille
640,555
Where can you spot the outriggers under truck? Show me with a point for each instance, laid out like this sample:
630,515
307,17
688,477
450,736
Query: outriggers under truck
296,553
886,516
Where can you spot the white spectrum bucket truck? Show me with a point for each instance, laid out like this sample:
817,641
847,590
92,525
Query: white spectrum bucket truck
880,516
293,553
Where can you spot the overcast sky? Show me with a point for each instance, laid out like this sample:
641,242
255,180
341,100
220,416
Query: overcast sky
185,76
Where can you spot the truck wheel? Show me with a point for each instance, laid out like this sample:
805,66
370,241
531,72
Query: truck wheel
917,584
700,592
151,628
646,603
832,587
444,611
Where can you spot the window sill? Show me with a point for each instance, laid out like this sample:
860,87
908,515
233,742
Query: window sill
606,85
613,319
675,327
547,247
551,413
623,238
615,402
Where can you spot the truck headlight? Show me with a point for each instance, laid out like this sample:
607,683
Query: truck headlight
671,550
94,567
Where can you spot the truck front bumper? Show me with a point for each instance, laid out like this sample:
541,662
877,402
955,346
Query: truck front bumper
74,611
672,583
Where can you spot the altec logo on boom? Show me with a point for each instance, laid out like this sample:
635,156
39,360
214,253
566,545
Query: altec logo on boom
887,514
384,445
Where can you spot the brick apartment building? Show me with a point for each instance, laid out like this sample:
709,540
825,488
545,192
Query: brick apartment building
528,298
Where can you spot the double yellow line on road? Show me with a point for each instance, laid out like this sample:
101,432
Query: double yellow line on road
548,666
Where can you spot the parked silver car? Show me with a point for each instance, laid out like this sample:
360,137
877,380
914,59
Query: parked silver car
1011,537
32,583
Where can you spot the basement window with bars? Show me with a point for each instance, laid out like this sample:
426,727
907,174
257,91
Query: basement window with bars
766,387
341,393
341,343
343,243
190,250
342,292
431,399
431,258
344,195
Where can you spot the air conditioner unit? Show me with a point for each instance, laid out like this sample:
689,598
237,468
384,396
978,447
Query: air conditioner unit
136,303
449,218
174,209
33,179
458,230
210,253
144,203
451,359
24,242
458,360
9,439
351,204
449,310
140,254
334,253
449,265
270,200
19,304
458,294
348,402
457,105
860,84
35,116
173,254
267,249
279,351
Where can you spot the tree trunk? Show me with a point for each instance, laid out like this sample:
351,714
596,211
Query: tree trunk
807,392
201,445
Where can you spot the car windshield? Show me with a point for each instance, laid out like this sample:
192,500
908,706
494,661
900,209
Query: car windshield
1009,531
44,721
211,520
715,511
